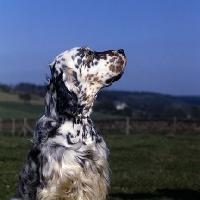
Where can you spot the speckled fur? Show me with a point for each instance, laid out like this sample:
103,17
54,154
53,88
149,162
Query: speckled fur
68,157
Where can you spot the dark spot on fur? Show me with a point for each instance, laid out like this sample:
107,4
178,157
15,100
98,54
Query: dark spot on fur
80,53
105,57
95,79
68,139
90,76
75,79
113,59
98,140
66,100
64,67
112,68
79,61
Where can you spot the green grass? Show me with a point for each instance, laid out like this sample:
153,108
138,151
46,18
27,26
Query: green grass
154,166
150,166
4,96
12,154
10,110
12,107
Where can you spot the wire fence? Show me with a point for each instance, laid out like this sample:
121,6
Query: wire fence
126,126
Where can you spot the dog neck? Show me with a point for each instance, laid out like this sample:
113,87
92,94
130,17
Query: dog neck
86,97
63,103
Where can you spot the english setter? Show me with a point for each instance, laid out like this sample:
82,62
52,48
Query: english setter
68,157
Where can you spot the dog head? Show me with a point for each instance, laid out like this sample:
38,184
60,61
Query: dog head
78,74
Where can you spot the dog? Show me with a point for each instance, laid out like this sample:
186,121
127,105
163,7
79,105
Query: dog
68,156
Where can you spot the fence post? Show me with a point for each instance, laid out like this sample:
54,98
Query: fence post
13,127
175,124
127,125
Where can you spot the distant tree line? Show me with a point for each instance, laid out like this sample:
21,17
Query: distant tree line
30,89
26,97
5,88
150,105
150,111
24,90
27,88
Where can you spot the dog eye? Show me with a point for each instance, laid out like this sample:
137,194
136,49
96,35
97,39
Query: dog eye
90,53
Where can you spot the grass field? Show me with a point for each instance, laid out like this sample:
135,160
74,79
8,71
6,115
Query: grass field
150,166
13,97
16,110
12,107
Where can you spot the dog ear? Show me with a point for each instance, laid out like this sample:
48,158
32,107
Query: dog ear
67,101
50,100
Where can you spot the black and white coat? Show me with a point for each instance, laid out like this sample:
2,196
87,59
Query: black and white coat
68,157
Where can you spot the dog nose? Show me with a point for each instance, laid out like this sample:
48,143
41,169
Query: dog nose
121,51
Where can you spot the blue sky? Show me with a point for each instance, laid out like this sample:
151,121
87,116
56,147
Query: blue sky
161,39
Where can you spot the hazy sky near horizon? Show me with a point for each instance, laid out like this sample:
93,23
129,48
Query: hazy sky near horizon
161,39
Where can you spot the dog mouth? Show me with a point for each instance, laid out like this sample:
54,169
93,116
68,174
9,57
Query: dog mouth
113,79
119,69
